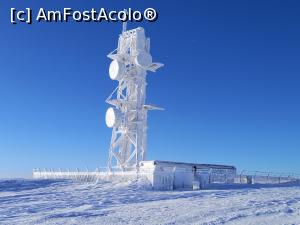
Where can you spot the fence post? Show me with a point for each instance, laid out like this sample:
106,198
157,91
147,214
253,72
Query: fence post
241,176
209,176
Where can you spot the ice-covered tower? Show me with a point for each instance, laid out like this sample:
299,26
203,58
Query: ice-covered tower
128,115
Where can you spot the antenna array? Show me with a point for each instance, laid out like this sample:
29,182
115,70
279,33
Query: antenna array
127,115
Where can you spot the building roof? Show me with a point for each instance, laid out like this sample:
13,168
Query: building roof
198,165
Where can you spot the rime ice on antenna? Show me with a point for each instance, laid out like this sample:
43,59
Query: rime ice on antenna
128,115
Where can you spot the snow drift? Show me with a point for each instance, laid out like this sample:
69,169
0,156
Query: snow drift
103,202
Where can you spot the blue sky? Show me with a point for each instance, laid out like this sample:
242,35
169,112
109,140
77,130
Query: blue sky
230,85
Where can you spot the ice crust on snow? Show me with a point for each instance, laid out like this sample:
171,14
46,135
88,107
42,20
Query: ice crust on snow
132,202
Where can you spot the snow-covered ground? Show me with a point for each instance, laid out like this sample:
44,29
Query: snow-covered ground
70,202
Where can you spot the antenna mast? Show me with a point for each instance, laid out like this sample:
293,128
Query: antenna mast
128,115
124,27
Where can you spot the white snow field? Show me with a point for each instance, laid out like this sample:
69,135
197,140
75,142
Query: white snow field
70,202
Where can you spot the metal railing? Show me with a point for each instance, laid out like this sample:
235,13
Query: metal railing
84,175
263,177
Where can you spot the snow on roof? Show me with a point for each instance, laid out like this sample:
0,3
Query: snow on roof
215,166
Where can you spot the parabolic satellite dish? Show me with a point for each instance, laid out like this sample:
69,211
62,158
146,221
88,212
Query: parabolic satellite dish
143,60
112,117
116,70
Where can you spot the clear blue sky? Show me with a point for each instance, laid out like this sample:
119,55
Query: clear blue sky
230,85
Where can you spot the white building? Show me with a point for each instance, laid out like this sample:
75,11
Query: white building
165,175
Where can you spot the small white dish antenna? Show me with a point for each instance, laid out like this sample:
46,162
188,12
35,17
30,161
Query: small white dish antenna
112,117
143,60
116,70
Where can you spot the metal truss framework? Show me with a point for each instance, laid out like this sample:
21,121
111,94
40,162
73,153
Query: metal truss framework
128,115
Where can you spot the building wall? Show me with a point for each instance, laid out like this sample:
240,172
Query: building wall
172,175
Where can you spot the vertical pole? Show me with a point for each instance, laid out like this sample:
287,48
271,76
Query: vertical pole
124,27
